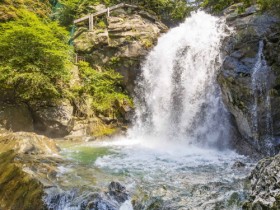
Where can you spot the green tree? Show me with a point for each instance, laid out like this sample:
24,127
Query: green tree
34,58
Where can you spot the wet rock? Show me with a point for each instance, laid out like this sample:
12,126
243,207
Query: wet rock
238,165
265,185
240,51
27,143
28,165
118,192
84,200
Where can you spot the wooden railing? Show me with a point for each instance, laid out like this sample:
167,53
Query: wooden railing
78,58
102,12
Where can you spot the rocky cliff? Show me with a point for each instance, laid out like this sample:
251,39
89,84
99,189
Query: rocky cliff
249,77
119,41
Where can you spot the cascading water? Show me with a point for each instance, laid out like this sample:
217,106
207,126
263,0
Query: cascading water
262,101
169,160
180,99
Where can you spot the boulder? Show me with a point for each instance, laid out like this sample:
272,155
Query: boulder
16,117
265,185
118,192
252,96
53,120
28,166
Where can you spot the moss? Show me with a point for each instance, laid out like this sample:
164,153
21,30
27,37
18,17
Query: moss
114,60
102,24
18,190
147,43
100,129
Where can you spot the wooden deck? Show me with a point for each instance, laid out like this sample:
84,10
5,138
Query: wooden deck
102,12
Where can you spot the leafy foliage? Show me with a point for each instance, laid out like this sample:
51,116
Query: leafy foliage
10,9
34,57
219,5
273,5
104,87
69,9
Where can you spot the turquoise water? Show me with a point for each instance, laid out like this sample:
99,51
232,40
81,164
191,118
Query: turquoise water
158,178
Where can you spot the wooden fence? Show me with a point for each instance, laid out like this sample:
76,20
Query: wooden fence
102,12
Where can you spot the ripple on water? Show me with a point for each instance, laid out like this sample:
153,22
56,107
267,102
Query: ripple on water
195,178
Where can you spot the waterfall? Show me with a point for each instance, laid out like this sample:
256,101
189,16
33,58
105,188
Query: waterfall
262,101
179,115
178,97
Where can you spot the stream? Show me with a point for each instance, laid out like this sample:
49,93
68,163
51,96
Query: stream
176,154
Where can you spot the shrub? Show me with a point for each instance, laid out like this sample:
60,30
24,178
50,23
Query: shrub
105,88
34,58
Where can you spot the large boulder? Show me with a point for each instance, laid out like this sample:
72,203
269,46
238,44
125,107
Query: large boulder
249,77
265,185
28,166
53,120
120,41
16,117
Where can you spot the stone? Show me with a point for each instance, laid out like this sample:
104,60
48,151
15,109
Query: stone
55,120
28,164
238,165
118,192
27,143
265,185
240,52
16,117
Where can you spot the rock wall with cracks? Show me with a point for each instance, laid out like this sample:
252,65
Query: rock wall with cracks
250,76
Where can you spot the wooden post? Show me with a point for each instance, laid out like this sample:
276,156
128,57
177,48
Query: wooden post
108,12
90,21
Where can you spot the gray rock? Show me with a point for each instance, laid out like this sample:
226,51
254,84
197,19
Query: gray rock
118,192
53,120
265,185
122,44
235,78
238,165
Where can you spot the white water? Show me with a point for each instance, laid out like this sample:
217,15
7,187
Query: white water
179,98
261,95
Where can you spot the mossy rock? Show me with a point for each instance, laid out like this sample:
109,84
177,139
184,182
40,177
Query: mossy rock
18,189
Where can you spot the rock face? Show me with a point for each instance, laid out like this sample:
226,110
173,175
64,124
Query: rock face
265,182
51,120
120,41
249,78
28,165
16,117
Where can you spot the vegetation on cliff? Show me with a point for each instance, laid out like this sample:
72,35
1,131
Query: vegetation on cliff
67,10
34,58
11,9
36,62
219,5
104,89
